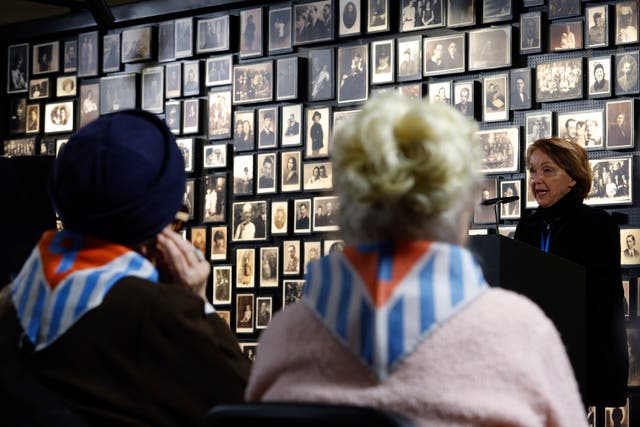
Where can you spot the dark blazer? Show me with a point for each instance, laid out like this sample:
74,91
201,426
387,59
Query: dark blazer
590,237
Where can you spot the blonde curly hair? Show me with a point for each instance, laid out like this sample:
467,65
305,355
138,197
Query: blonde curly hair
405,169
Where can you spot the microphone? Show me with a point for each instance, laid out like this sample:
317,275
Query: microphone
506,199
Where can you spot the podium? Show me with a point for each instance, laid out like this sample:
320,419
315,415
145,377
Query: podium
555,284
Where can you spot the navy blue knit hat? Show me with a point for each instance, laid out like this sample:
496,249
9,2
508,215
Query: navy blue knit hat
120,178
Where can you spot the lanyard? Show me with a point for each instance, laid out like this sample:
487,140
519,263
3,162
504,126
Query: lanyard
544,243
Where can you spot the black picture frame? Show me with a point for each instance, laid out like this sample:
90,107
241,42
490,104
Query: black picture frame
520,83
218,70
243,175
301,216
291,125
32,124
166,41
219,122
440,92
110,53
538,125
464,98
409,58
118,92
267,128
279,217
318,129
267,173
571,71
153,89
186,147
325,213
497,11
215,198
510,188
290,171
349,13
88,54
173,116
495,98
213,34
244,303
627,73
599,77
89,102
17,68
280,29
215,156
564,8
253,82
460,13
584,127
621,193
191,78
39,88
46,58
378,16
321,74
219,249
251,43
137,44
596,29
287,78
59,117
353,73
530,32
257,217
412,18
383,59
566,35
66,85
620,121
173,83
444,55
70,56
317,176
183,38
222,281
191,116
243,130
311,23
489,140
489,48
626,29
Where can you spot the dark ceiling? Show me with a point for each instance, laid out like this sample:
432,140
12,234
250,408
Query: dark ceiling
16,11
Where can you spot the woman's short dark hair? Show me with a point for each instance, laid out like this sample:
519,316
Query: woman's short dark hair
569,156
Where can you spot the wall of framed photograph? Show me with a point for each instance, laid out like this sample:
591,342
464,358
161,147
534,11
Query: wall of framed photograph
254,91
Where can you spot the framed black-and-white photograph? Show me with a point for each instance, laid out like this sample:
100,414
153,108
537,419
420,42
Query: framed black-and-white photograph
349,12
292,290
219,107
599,76
460,13
559,80
250,221
520,82
620,121
219,70
136,44
377,16
291,260
291,125
219,245
243,134
280,29
612,179
214,196
353,73
279,218
496,11
19,147
490,48
199,238
18,67
317,132
245,268
213,34
117,92
627,73
191,80
495,98
267,173
510,188
46,58
409,58
244,311
411,90
302,214
287,78
565,36
110,53
253,82
440,92
530,32
563,8
189,197
325,213
318,176
191,116
166,41
339,116
269,261
58,117
214,156
321,74
314,22
444,55
626,22
60,143
291,172
33,118
39,88
264,305
186,148
89,101
332,246
222,279
173,116
485,214
383,58
500,150
183,37
243,174
267,127
630,251
18,115
464,98
537,125
88,54
311,251
596,30
420,15
251,33
66,86
173,74
153,89
70,56
585,128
